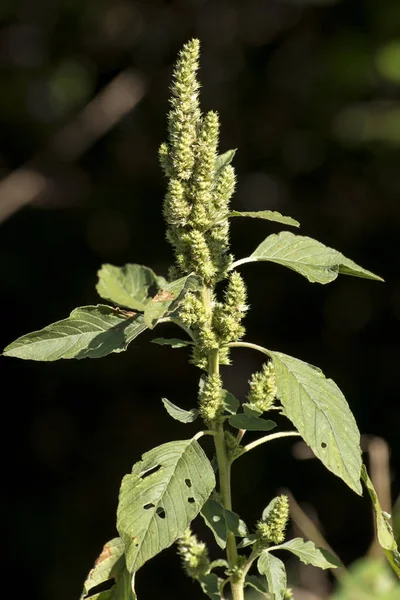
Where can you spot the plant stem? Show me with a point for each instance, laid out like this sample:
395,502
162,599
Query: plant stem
224,464
267,438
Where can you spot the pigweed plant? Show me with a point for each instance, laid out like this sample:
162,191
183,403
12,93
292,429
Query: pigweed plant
176,481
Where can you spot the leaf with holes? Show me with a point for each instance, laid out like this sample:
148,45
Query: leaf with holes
168,299
319,411
89,332
184,416
268,215
251,423
128,285
274,571
173,342
221,520
313,260
309,554
383,527
110,575
160,498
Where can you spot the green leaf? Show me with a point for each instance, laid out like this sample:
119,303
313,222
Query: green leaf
368,579
275,572
231,402
248,540
110,568
89,332
184,416
251,410
268,215
220,521
128,286
306,256
309,554
168,299
383,527
160,498
319,411
173,342
251,423
210,585
258,583
223,160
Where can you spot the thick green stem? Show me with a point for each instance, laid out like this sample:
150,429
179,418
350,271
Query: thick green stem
224,465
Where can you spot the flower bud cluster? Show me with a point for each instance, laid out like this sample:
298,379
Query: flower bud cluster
194,555
233,447
263,388
211,403
197,200
271,529
228,316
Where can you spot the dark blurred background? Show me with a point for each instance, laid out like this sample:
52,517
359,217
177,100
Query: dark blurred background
309,93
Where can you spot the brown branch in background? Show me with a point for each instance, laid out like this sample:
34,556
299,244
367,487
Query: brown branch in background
118,98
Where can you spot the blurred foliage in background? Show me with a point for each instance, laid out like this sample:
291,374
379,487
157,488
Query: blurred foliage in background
309,92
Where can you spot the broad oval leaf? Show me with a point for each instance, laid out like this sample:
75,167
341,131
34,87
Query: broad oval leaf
179,414
309,554
109,571
168,299
268,215
221,521
89,332
383,527
160,498
251,423
319,411
274,571
128,285
313,260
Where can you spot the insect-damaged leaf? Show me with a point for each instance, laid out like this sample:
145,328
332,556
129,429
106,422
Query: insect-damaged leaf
306,256
309,554
89,332
221,520
268,215
128,285
384,530
110,575
168,299
179,414
159,499
319,411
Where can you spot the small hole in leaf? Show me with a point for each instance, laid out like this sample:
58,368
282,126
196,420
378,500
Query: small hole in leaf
152,291
160,512
101,587
324,445
150,471
188,483
191,500
148,506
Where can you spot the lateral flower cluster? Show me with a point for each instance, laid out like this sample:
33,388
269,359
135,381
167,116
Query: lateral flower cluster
194,555
196,208
263,388
271,529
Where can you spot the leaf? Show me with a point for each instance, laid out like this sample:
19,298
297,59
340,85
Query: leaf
128,286
258,583
251,423
109,570
173,342
306,256
160,498
275,572
384,530
269,215
319,411
221,520
184,416
248,540
168,299
89,332
251,410
309,554
210,585
224,159
368,579
231,402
